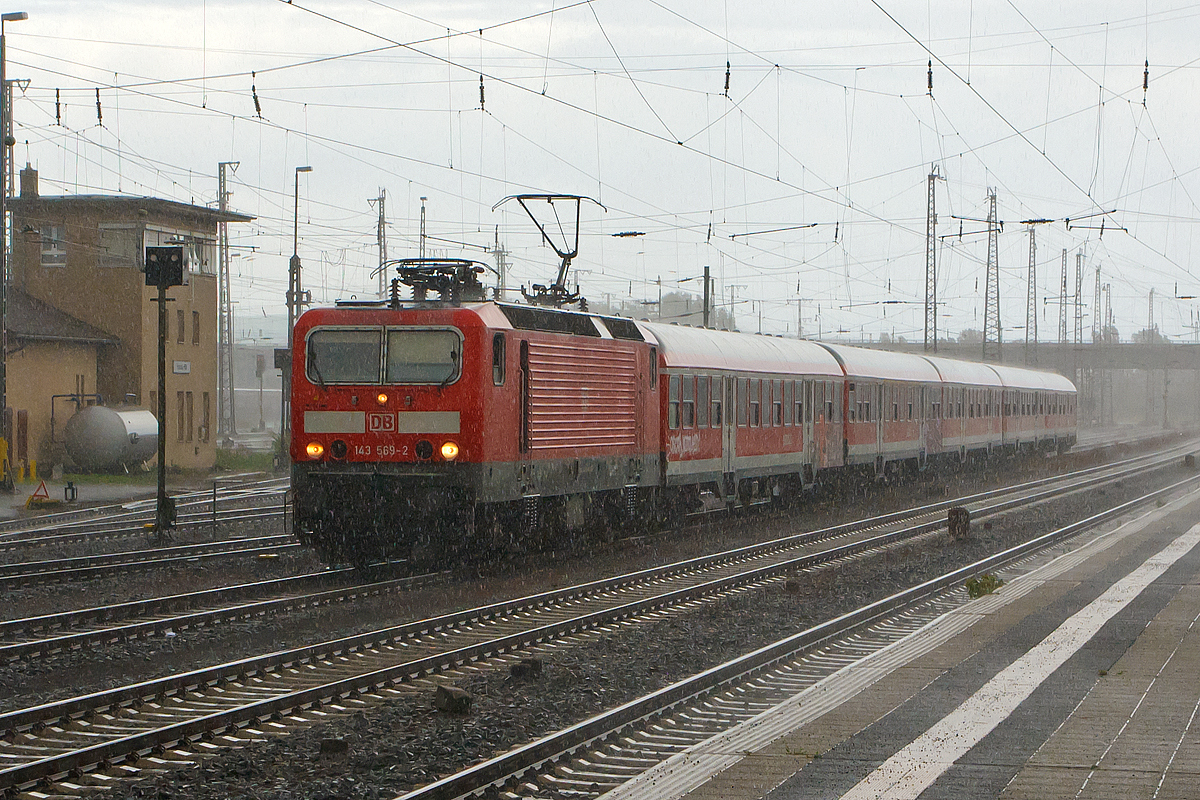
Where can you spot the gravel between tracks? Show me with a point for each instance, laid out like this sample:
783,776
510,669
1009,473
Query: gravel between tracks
41,680
404,743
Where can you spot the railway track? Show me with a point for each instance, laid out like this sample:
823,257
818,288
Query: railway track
229,504
157,722
601,754
51,634
34,573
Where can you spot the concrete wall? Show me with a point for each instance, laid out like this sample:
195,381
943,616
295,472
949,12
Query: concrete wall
36,372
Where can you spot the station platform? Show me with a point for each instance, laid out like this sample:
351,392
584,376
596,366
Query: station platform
1078,679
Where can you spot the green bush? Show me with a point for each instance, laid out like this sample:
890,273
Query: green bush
984,584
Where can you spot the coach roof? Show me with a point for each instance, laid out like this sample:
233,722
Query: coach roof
1033,379
969,372
883,365
683,347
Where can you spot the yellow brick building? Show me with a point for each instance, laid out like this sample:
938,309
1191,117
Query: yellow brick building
82,256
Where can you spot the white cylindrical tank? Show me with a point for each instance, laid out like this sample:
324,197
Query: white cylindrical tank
99,437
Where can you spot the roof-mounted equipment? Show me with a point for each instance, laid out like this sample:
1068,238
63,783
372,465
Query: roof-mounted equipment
557,294
454,280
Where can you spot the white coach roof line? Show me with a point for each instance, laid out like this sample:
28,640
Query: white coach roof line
861,362
684,347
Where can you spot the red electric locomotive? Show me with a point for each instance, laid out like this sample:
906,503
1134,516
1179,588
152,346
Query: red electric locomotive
425,427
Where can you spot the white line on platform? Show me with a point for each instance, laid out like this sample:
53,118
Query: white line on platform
914,768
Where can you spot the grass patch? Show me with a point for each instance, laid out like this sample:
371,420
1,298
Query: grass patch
243,460
132,478
984,584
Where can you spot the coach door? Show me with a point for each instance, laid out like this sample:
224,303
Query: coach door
728,433
931,423
805,395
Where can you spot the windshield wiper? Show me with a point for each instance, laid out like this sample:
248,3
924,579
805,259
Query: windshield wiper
312,363
453,370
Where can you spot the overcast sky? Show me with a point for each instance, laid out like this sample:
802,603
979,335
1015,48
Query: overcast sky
827,123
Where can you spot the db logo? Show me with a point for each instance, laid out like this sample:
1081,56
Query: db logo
381,423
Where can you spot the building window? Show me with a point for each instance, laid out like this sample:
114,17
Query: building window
181,333
191,416
54,247
206,425
195,327
119,247
179,415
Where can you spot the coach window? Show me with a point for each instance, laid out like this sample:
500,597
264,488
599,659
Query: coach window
717,412
702,401
909,395
756,403
743,403
777,403
498,359
688,396
789,401
851,399
673,402
833,410
653,367
808,400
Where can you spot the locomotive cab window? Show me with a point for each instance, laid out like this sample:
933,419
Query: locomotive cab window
423,356
498,359
343,356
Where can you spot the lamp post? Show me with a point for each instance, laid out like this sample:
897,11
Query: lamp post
294,301
6,480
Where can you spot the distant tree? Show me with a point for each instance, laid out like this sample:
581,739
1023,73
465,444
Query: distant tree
1147,336
970,336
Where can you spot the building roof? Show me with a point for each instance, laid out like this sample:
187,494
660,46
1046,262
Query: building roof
122,204
31,319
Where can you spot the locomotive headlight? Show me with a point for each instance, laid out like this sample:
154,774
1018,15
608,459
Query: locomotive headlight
382,398
314,449
449,451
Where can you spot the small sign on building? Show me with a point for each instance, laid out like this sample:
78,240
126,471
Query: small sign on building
182,368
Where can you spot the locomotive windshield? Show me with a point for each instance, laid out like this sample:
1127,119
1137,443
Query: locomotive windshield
366,355
344,356
422,356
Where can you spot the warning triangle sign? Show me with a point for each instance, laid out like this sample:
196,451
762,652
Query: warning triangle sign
41,492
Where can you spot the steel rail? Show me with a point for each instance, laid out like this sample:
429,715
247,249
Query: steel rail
96,519
128,508
127,699
60,639
204,618
518,763
92,566
197,520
